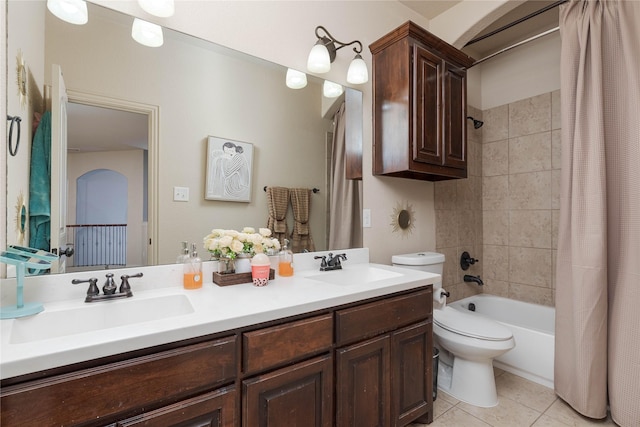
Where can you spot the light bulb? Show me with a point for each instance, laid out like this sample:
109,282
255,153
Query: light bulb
358,72
331,89
71,11
296,79
146,33
319,61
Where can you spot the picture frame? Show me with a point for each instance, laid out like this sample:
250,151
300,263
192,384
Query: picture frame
229,170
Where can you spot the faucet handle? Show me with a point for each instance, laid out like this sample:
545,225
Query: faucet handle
323,263
93,285
124,286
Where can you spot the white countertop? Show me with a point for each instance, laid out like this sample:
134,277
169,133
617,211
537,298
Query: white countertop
215,309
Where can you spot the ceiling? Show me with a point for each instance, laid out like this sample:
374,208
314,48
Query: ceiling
89,131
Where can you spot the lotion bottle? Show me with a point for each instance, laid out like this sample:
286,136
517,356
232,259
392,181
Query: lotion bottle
285,262
193,270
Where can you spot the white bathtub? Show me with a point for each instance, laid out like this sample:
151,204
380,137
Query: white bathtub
533,327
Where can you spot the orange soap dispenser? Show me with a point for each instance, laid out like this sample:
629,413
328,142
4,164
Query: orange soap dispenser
285,263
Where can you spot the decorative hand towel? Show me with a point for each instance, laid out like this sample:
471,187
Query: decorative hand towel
40,186
301,236
278,203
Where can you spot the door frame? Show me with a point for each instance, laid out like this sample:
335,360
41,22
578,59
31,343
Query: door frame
153,114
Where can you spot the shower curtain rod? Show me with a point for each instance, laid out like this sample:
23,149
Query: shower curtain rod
516,22
544,33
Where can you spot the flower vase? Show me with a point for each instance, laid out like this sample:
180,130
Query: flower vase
225,265
243,263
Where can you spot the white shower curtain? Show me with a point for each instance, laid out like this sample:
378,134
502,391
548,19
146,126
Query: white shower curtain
597,358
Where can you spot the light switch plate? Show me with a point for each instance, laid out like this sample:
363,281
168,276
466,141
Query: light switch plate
366,218
180,194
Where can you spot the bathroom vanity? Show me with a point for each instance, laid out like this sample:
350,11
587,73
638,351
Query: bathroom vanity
310,350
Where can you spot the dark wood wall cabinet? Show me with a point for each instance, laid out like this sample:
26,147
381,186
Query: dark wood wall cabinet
419,106
362,364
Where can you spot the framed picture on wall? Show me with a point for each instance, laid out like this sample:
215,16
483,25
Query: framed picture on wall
229,170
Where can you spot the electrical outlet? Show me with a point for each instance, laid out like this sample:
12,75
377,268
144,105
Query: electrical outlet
366,218
180,194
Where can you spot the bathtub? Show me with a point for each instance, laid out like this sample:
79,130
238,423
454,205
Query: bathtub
533,327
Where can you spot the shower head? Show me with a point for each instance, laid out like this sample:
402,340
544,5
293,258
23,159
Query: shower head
477,124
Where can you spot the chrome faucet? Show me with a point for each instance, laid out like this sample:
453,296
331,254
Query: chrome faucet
332,263
109,289
476,279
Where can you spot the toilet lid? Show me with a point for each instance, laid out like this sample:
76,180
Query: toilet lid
471,325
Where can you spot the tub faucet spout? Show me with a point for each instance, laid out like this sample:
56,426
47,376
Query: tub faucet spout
476,279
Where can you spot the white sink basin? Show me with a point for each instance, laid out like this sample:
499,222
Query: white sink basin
355,275
96,316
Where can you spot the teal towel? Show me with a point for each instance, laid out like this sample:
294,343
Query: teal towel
40,186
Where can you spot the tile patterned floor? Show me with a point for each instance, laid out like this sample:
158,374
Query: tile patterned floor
522,403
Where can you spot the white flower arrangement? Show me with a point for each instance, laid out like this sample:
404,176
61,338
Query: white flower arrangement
231,243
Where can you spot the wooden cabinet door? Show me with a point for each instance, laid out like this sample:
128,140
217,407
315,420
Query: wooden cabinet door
455,124
427,105
298,395
364,384
212,409
411,358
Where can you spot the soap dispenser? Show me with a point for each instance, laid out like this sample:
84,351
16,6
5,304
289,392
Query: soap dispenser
285,262
193,270
184,253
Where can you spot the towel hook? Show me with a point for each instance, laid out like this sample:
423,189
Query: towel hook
14,150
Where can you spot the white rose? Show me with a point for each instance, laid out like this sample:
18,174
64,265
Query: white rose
217,232
243,237
232,233
255,238
276,244
236,246
257,248
265,232
225,241
249,230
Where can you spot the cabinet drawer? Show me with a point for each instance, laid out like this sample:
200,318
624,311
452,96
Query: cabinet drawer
368,320
113,391
280,344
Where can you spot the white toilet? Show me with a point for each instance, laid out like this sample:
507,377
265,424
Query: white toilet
468,343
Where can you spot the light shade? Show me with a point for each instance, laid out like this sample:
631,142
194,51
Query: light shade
161,8
331,89
71,11
147,33
296,79
358,72
319,61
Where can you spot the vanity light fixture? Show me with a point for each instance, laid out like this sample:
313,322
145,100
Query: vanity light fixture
161,8
147,33
296,79
323,54
331,89
71,11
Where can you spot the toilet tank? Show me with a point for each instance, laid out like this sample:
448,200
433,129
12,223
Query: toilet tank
431,262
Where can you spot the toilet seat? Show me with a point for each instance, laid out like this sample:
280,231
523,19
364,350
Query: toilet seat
470,325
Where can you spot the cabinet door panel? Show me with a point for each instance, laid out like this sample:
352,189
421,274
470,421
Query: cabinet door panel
412,364
427,94
212,409
364,384
299,395
455,134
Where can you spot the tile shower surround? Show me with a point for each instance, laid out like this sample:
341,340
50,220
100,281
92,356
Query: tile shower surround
506,212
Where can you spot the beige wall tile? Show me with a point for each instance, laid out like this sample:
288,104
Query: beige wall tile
555,221
496,124
555,110
474,158
530,153
533,294
555,189
531,115
467,233
451,265
446,228
496,287
530,266
531,190
444,195
495,192
496,262
465,193
495,227
556,149
495,158
530,228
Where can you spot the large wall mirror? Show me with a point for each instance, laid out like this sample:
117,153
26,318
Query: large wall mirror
147,114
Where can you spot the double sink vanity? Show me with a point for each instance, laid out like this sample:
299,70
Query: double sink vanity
350,347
